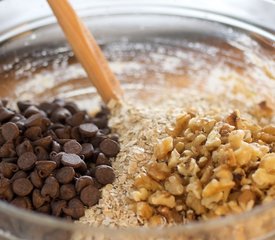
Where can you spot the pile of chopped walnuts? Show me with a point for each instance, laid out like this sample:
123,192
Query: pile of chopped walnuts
207,167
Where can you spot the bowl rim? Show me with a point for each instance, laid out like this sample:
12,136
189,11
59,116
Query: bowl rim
144,8
54,222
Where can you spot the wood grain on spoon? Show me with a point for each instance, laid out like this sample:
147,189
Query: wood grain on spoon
86,50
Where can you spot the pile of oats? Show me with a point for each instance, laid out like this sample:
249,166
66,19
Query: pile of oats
138,134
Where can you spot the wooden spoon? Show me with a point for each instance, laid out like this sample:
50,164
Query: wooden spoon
87,50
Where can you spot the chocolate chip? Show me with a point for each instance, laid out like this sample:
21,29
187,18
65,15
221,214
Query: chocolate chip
46,209
109,147
23,105
56,157
104,111
87,150
62,141
88,129
76,119
72,160
4,102
75,134
22,187
24,147
44,142
59,102
105,131
104,174
6,192
63,133
114,137
7,150
60,115
100,122
75,208
9,131
45,168
65,175
22,202
97,139
41,153
4,185
36,179
33,133
34,120
26,161
19,174
67,192
21,124
72,107
50,188
5,114
37,199
15,118
8,169
47,107
72,146
31,110
82,169
102,160
55,126
2,140
83,182
90,195
56,147
57,207
91,170
10,159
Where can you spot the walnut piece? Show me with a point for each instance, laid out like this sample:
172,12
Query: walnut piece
173,185
144,181
162,198
164,147
158,171
144,210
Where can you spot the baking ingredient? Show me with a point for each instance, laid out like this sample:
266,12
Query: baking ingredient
50,157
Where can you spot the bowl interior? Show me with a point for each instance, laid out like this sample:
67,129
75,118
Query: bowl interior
151,50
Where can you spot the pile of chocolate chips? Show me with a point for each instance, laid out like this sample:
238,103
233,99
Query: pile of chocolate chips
54,158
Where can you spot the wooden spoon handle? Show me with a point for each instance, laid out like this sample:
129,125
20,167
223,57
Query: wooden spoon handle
87,50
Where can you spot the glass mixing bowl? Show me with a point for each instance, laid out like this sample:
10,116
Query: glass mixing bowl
152,46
